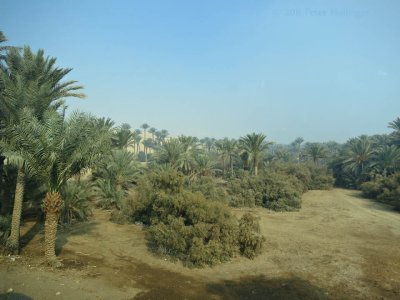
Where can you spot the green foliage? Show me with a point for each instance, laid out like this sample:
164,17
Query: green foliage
250,239
313,177
113,176
210,187
5,228
189,227
385,190
272,190
76,206
183,224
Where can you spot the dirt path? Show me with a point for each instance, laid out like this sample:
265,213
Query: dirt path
339,246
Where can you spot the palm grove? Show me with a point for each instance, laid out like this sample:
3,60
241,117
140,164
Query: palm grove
56,168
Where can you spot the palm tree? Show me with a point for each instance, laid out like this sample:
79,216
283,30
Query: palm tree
189,153
282,154
357,156
164,135
152,130
145,126
170,153
124,136
228,150
254,144
316,151
113,176
395,124
33,82
395,135
387,159
136,137
60,150
204,166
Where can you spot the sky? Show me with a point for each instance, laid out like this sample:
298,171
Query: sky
322,70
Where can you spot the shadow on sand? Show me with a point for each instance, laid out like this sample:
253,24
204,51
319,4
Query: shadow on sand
257,287
76,229
14,296
260,287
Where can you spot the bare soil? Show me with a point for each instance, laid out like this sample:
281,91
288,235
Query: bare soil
338,246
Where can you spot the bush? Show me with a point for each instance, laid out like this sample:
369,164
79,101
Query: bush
5,228
250,239
210,188
76,206
385,190
183,224
313,177
272,190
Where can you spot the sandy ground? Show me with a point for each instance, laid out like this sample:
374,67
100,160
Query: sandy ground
339,246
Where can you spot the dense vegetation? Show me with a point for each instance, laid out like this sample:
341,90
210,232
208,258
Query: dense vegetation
58,165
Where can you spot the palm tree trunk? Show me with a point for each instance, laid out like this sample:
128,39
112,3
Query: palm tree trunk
13,239
52,206
255,167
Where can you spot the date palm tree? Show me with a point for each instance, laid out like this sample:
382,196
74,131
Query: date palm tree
170,153
387,159
145,126
228,150
32,81
316,151
395,135
254,144
152,130
136,137
358,156
124,136
60,150
164,135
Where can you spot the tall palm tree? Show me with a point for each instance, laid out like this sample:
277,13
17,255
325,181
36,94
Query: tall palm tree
61,150
189,152
152,130
136,137
228,150
33,82
254,144
316,151
145,126
296,146
164,135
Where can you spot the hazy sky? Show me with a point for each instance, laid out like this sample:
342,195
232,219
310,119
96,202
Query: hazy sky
323,70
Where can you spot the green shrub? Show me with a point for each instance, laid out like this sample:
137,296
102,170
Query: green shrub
76,206
210,188
250,239
321,178
184,224
272,190
282,193
5,228
385,190
372,189
312,176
